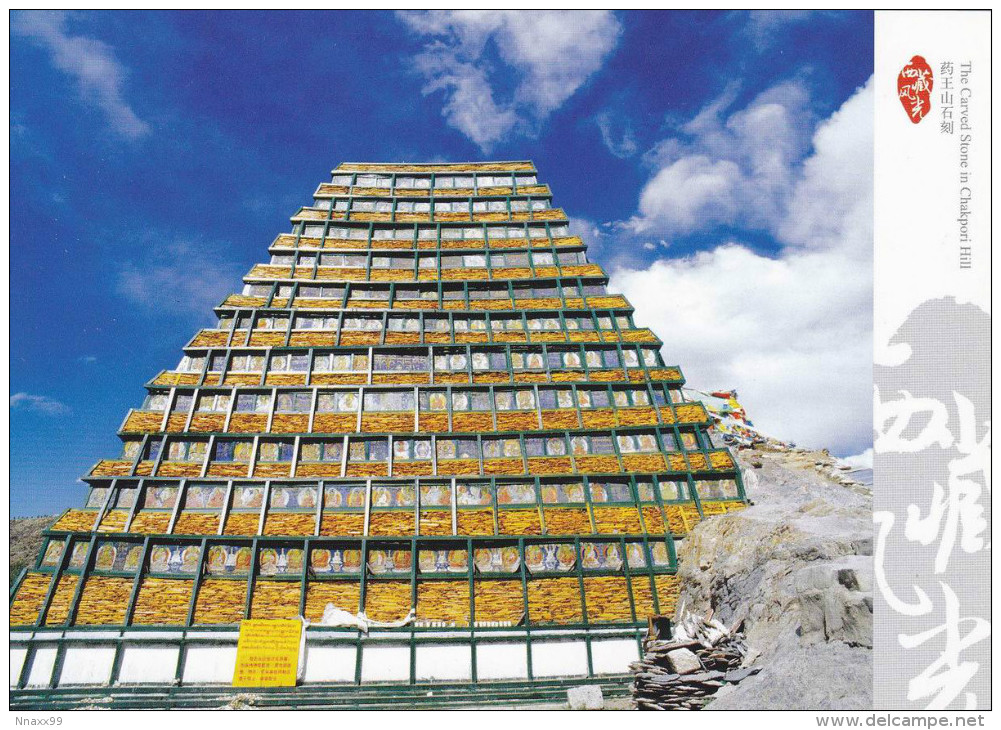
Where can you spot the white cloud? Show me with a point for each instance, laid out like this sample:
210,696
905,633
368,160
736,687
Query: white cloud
790,334
831,203
38,403
551,55
793,332
861,460
181,277
764,27
726,166
621,145
589,231
604,242
469,101
689,192
89,62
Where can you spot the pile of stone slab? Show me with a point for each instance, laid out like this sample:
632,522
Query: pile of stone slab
684,672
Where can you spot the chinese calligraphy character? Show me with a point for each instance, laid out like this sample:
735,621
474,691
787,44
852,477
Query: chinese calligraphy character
914,86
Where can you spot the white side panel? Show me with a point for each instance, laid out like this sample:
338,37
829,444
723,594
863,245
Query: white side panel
209,664
41,667
501,661
17,657
613,656
559,658
330,664
145,664
87,665
385,664
444,662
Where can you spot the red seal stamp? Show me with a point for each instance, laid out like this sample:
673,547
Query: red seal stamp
914,85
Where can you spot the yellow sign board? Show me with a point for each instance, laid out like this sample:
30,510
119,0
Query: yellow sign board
267,653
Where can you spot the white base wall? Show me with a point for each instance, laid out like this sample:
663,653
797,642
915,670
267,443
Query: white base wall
148,664
210,658
444,663
87,665
17,657
209,665
501,661
385,664
41,667
330,664
559,658
613,656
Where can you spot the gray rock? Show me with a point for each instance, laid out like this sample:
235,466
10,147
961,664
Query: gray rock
863,546
585,697
794,572
835,601
683,661
662,678
703,677
830,676
738,675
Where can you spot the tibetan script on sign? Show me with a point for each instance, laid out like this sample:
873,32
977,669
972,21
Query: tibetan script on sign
267,653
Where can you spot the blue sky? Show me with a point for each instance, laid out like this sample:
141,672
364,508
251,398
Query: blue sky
155,155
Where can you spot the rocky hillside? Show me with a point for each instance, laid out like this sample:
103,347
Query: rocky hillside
794,572
25,542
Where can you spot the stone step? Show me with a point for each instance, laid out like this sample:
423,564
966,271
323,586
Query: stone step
387,696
